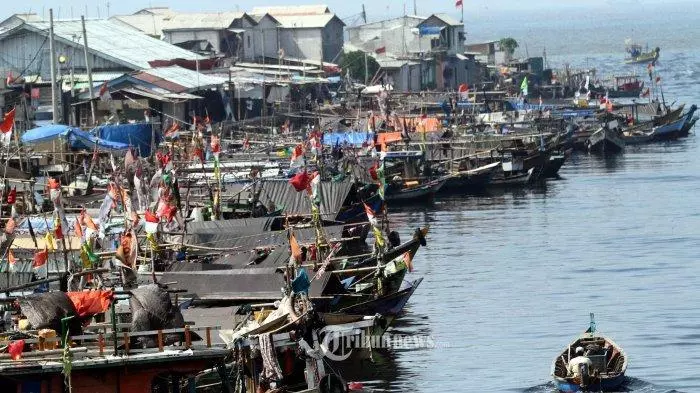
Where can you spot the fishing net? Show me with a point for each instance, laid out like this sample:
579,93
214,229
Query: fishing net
152,309
45,311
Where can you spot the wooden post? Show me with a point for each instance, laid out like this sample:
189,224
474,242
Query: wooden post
101,343
188,337
160,340
208,334
126,343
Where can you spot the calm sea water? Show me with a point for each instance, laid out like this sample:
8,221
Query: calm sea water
510,278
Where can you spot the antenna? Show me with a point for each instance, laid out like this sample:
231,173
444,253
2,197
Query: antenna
364,14
415,7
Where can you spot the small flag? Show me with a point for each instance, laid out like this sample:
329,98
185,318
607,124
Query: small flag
152,222
370,215
15,349
459,4
408,260
11,259
300,181
294,246
104,92
78,229
524,86
39,264
380,50
8,123
658,80
10,226
464,91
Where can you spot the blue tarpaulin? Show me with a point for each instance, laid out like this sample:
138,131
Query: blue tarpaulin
350,138
84,140
137,135
46,133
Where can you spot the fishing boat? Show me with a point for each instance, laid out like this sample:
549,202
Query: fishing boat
607,369
471,180
555,162
406,179
637,56
628,86
675,130
608,139
412,191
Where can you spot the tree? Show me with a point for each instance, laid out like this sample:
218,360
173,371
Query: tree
509,45
355,63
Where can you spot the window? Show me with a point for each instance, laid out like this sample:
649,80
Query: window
248,41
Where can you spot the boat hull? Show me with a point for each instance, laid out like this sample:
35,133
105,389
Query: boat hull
421,192
605,141
604,385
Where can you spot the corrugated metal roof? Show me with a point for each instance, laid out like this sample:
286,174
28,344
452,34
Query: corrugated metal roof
305,21
178,79
282,193
116,42
151,24
312,9
194,21
447,19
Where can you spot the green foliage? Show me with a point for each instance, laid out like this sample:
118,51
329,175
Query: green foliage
509,45
355,63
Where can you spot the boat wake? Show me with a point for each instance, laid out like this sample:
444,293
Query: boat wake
631,385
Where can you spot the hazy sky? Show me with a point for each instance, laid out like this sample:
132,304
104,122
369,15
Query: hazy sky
376,9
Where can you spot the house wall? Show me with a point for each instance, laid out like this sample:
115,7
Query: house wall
333,41
265,38
179,36
303,43
19,49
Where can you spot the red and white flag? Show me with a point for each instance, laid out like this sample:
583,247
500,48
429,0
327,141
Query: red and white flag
458,3
39,265
104,92
371,216
7,125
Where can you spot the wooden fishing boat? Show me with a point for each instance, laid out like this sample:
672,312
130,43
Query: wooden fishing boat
512,179
555,162
674,130
608,364
471,180
608,139
637,56
412,192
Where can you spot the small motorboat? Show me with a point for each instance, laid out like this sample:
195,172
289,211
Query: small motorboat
608,363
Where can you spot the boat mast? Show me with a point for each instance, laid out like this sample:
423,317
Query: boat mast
88,68
52,62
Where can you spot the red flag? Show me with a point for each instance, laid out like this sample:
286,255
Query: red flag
458,4
15,349
658,80
8,122
12,196
58,229
380,50
373,171
40,258
300,181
